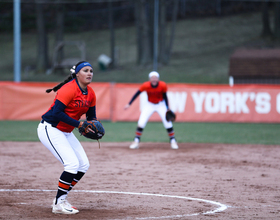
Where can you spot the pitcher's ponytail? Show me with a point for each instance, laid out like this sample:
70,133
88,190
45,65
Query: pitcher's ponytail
73,71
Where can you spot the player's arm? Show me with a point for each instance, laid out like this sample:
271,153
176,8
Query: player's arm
59,114
165,99
91,114
132,99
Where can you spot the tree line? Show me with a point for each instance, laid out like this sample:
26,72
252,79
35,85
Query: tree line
54,14
144,20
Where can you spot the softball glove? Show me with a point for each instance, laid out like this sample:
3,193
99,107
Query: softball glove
96,126
170,115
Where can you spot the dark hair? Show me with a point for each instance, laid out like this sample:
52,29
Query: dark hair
68,79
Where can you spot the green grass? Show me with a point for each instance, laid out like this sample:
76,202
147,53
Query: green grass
201,51
232,133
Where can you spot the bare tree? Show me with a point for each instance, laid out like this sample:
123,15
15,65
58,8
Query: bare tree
42,43
144,14
59,30
266,31
166,46
277,20
139,41
112,33
162,32
143,31
174,19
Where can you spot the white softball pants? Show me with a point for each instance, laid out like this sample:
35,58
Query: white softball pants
149,109
65,147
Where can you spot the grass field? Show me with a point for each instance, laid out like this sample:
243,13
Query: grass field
233,133
201,51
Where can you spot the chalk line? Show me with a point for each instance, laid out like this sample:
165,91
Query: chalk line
221,207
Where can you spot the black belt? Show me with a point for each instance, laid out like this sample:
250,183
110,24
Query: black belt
42,121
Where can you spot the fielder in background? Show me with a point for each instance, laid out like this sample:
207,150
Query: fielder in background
73,99
157,101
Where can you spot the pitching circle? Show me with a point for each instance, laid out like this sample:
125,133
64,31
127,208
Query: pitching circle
221,207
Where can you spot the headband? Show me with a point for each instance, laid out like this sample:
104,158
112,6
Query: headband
153,73
81,65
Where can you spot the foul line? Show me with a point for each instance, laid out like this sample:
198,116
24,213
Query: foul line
221,207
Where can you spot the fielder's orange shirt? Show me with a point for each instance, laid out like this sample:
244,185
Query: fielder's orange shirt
155,94
75,101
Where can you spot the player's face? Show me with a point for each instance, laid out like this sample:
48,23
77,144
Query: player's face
84,76
154,80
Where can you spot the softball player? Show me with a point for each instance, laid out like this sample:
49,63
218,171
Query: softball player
73,99
157,102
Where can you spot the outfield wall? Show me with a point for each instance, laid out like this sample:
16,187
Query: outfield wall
191,103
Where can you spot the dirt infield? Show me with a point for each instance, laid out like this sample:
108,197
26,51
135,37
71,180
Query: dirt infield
198,181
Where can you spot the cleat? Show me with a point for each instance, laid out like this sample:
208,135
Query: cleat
134,145
64,208
174,145
70,205
53,203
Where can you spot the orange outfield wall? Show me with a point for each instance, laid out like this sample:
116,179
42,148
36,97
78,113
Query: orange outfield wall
28,101
191,103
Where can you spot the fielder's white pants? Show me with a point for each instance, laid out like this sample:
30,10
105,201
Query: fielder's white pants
149,109
65,147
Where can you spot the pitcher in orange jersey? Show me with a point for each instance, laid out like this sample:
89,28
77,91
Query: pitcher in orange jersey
157,102
73,99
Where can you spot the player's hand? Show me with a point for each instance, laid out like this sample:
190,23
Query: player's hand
88,129
127,106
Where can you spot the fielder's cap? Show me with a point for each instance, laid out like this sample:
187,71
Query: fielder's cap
153,73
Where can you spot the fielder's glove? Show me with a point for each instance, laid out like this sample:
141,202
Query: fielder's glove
94,125
170,115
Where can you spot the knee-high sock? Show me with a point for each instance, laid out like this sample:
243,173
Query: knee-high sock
170,133
76,179
138,133
64,183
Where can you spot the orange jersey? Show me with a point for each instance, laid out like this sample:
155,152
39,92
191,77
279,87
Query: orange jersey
75,101
155,94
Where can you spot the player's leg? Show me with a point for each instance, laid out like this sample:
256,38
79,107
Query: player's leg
57,143
146,113
171,134
83,165
82,157
161,110
138,134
